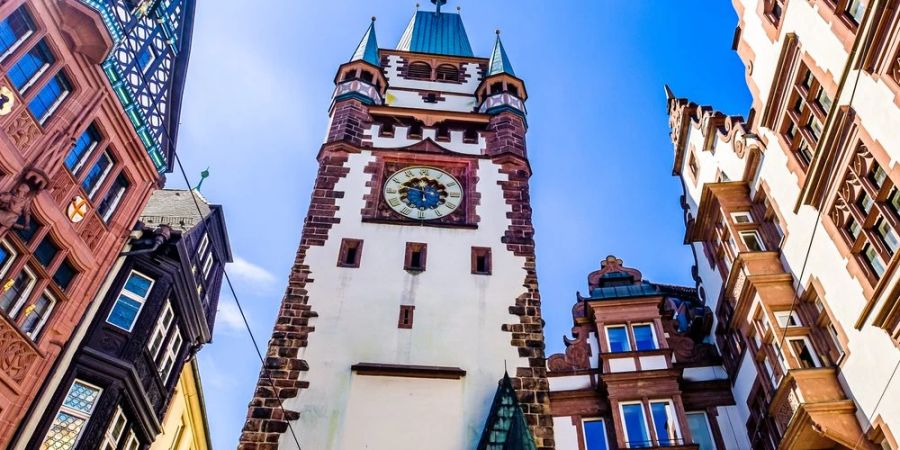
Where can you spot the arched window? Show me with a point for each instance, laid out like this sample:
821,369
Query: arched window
367,76
513,90
447,72
419,71
497,88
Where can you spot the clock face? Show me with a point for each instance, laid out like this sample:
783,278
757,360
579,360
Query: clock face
423,193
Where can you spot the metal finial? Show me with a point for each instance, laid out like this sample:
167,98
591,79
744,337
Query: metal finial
203,176
373,18
417,6
498,32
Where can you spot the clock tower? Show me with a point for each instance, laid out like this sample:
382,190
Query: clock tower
414,287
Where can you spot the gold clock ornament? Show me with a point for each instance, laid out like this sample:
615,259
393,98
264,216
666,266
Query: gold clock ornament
423,193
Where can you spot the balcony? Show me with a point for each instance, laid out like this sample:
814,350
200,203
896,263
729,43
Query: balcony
758,273
17,355
812,412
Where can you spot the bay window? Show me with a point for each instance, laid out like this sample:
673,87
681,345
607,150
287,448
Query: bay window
131,300
643,337
72,417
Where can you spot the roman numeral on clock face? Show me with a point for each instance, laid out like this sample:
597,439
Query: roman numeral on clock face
394,202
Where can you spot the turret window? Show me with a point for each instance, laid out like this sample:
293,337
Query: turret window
497,88
447,72
419,71
513,90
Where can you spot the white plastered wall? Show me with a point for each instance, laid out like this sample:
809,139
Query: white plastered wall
872,356
457,319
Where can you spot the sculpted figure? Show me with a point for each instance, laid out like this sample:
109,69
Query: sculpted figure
16,204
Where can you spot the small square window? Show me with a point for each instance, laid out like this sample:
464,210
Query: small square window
406,316
742,217
481,260
752,241
415,256
350,253
787,319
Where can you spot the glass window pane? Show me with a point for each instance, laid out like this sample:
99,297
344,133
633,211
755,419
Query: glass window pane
700,430
14,29
81,397
138,285
643,337
97,174
595,435
79,152
18,289
29,66
27,232
63,432
46,251
636,435
37,315
46,101
618,339
664,423
64,275
124,312
112,198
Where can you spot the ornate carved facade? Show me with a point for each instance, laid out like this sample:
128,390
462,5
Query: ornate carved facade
75,170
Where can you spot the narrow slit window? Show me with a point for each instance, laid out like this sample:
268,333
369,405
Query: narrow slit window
415,256
351,253
406,316
481,260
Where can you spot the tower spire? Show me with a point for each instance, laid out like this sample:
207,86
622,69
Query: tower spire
499,60
367,50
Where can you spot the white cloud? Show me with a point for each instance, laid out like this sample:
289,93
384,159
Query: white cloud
229,317
248,271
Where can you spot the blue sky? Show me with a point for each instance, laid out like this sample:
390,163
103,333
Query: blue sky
256,106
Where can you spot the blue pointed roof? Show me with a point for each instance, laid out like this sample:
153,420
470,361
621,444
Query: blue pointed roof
436,32
367,50
506,428
499,60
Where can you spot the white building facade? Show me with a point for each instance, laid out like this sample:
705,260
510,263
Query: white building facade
793,214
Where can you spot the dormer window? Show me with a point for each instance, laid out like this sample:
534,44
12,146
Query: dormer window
447,72
419,71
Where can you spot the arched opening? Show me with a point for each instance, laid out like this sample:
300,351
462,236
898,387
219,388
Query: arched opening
419,71
447,72
497,88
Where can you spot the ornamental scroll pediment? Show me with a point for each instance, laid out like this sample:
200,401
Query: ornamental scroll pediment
578,352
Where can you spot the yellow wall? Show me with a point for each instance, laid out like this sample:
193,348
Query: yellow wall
184,427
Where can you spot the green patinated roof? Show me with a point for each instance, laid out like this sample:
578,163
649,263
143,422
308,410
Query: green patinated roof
436,32
506,428
499,60
367,50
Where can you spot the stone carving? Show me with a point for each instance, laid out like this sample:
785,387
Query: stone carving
16,204
23,130
578,352
16,355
